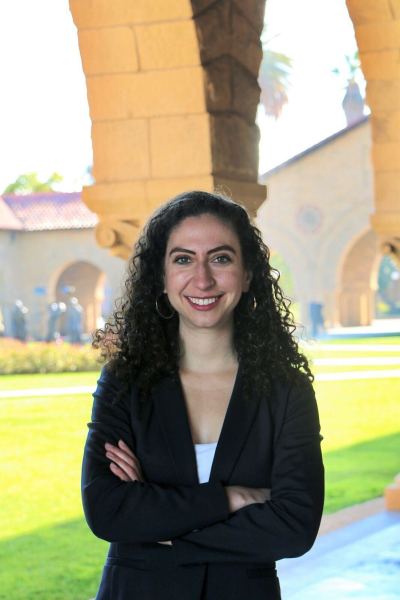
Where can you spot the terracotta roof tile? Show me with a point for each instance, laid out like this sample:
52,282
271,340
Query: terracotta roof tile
49,210
7,218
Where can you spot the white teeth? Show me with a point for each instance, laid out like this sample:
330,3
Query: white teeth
203,301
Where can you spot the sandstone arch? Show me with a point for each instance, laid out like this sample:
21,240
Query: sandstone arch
86,281
173,94
357,276
377,29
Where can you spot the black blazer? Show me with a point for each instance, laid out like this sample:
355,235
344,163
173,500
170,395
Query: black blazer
266,441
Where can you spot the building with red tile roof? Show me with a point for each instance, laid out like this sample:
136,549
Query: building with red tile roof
45,211
48,253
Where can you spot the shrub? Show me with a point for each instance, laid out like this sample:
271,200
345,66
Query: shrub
42,357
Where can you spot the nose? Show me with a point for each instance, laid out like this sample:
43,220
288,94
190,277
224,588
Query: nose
203,278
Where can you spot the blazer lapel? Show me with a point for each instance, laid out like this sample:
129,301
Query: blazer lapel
171,409
235,429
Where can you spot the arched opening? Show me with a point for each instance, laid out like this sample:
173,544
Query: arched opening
356,295
87,283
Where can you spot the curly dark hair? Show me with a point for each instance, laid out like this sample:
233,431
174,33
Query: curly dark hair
142,347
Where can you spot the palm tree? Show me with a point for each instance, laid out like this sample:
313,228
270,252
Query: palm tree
274,78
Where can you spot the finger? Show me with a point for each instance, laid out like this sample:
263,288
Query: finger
115,451
126,474
126,467
126,449
130,470
130,457
119,472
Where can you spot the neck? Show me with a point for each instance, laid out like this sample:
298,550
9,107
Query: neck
207,350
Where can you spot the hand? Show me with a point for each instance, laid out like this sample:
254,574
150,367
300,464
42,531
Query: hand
240,496
125,464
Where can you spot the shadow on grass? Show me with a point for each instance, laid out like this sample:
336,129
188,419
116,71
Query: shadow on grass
360,472
62,562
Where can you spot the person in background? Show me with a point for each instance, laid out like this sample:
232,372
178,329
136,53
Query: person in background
18,321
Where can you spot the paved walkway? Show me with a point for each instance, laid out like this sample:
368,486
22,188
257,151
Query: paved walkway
346,375
88,389
352,347
358,561
357,361
53,391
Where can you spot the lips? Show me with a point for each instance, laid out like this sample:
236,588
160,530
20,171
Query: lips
203,303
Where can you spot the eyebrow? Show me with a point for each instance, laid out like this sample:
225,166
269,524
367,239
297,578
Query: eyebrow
217,249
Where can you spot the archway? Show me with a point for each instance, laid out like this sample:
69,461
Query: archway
173,94
183,76
87,283
377,30
356,293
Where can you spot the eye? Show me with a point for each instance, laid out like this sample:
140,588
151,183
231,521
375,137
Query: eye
222,259
182,260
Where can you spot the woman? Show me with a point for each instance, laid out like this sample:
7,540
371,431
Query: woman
202,464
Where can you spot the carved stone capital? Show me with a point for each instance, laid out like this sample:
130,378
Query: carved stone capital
118,235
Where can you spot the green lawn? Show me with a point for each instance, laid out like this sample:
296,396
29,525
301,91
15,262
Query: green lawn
46,549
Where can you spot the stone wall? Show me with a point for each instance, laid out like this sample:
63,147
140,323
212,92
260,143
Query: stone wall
37,259
318,205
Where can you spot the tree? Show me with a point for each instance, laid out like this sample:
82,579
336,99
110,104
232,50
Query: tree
274,78
28,183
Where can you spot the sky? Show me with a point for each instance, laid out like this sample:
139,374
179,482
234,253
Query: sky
44,116
316,35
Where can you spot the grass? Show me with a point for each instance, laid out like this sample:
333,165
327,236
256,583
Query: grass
57,562
360,422
47,551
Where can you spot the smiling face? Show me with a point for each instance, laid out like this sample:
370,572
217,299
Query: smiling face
204,272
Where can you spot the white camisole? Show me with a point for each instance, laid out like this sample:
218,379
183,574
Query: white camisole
204,457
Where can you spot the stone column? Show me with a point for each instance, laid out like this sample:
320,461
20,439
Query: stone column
377,29
172,90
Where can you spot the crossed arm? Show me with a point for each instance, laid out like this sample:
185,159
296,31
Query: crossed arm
206,522
126,466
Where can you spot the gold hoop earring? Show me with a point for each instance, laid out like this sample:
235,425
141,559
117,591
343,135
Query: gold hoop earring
250,304
254,304
160,313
